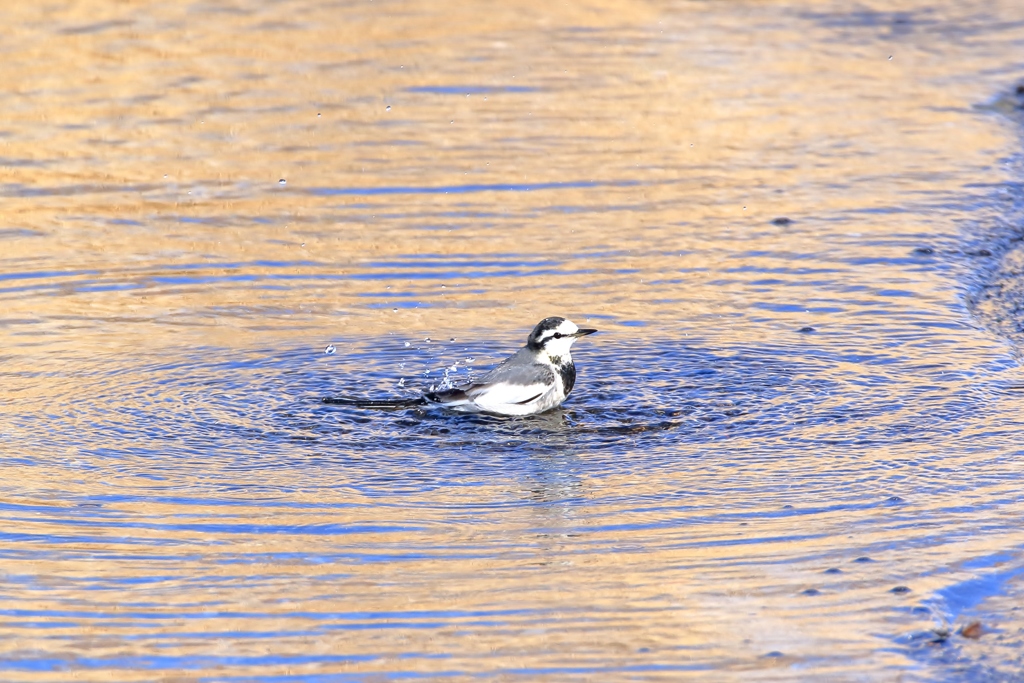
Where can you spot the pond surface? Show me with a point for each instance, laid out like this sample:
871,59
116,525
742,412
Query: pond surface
793,452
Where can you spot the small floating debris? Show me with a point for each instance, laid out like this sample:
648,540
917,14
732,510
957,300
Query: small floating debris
387,108
330,350
282,181
923,250
900,590
973,630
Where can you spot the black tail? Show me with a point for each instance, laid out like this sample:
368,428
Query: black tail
375,403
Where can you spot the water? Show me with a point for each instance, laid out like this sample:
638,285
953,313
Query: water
795,406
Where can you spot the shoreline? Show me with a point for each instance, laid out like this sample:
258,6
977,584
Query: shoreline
996,298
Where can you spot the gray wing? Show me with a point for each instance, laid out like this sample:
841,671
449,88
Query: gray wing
519,368
517,380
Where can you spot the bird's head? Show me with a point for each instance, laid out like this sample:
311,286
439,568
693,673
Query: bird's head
554,336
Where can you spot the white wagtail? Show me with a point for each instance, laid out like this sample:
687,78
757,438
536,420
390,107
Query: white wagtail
536,378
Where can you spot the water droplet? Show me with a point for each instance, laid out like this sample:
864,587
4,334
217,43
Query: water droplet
318,114
282,181
443,287
453,339
407,344
165,175
387,108
890,58
330,350
426,339
453,120
394,310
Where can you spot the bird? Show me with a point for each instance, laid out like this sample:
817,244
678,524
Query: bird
535,379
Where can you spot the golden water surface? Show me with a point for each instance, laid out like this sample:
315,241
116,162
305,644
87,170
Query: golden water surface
762,205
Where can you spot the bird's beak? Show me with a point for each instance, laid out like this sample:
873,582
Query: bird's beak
583,332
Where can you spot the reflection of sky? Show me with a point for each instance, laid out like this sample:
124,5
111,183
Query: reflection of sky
780,422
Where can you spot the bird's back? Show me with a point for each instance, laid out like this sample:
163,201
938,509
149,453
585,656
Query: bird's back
520,385
520,368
